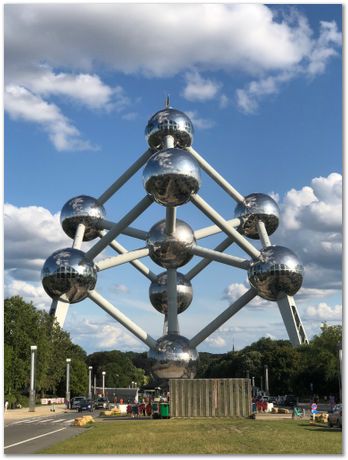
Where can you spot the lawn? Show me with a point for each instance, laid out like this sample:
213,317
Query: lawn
203,436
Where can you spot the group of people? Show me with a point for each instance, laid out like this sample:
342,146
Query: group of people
139,409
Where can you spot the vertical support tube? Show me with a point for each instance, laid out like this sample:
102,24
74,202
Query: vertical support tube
172,301
67,396
80,232
170,220
33,349
59,310
90,368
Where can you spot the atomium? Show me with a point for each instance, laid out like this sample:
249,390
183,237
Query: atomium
277,274
174,250
68,276
159,296
171,176
174,358
85,210
257,207
169,122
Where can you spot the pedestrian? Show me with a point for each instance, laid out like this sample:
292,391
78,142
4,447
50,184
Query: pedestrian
6,405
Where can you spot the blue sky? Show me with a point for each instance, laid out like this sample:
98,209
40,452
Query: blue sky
262,85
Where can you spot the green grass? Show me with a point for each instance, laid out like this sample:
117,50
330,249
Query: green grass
203,436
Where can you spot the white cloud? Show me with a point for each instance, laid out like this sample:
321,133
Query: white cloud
121,288
323,311
23,105
198,122
199,89
312,63
31,292
216,341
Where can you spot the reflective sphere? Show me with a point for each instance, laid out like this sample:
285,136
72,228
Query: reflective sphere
68,276
278,273
174,358
159,297
257,206
169,121
171,176
171,251
85,210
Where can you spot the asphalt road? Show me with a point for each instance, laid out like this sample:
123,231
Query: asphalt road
28,435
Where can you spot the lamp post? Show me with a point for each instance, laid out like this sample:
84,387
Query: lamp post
103,374
67,396
340,376
33,349
266,380
90,382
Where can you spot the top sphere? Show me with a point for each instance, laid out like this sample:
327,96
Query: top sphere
169,122
257,207
85,210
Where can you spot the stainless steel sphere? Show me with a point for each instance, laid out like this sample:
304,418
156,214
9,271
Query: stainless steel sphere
68,276
169,121
171,176
170,251
174,358
278,273
159,296
257,206
85,210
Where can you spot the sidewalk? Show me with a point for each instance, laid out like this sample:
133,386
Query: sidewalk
43,411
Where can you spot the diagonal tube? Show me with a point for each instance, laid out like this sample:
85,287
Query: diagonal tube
205,262
125,176
118,227
216,176
80,232
221,257
261,229
136,263
129,231
221,222
122,259
121,318
223,317
213,229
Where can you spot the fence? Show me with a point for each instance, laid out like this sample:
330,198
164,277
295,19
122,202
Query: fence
210,397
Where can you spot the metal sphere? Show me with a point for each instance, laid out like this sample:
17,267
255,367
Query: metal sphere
257,206
159,296
174,358
85,210
171,251
68,276
169,122
171,176
277,274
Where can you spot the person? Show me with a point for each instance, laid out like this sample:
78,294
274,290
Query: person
129,409
6,405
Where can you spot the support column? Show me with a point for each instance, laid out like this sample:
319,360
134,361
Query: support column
172,301
32,395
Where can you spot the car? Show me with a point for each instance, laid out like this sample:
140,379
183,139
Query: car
86,404
101,403
75,402
335,417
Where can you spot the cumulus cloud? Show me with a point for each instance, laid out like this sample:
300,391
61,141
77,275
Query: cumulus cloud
129,38
23,105
323,311
216,341
235,290
31,292
199,89
199,122
313,63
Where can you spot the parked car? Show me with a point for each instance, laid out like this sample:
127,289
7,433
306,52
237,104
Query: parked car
87,405
75,402
335,417
101,403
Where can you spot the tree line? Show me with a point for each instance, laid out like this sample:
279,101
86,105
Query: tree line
312,368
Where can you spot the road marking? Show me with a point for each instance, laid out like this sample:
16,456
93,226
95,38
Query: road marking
59,420
46,420
32,439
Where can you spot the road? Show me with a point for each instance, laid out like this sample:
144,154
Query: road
30,434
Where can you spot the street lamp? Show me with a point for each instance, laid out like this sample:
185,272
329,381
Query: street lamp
33,349
266,380
67,396
103,373
90,382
